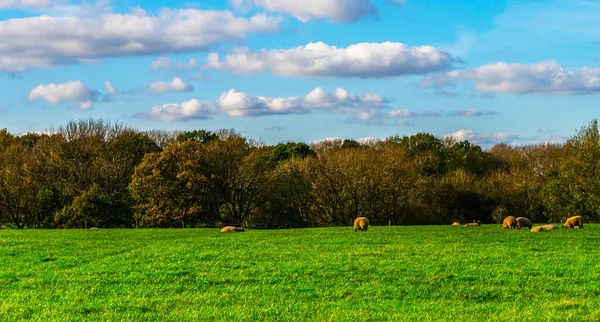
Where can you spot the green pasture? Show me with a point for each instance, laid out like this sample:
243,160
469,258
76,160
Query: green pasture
423,273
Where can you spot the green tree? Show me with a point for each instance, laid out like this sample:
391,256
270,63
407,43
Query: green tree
171,189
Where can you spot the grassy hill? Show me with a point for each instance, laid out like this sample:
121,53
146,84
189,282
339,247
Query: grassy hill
328,274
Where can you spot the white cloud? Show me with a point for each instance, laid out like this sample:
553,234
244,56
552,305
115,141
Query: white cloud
191,64
274,128
110,88
332,140
321,60
341,11
7,4
548,77
483,139
45,41
369,140
238,104
407,113
192,109
383,116
69,91
163,62
472,112
176,85
85,105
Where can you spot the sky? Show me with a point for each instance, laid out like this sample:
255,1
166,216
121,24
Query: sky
511,71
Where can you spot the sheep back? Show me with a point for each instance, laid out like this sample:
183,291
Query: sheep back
229,229
549,227
523,222
572,222
361,223
509,222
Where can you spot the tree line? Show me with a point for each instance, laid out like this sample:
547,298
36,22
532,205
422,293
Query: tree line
95,173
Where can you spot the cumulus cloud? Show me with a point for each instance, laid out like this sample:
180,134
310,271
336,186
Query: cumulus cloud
189,110
69,91
7,4
328,141
110,89
369,140
45,41
548,77
340,11
238,104
472,112
163,62
481,138
191,64
176,85
366,60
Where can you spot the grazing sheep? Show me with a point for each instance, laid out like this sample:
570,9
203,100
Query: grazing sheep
93,228
361,223
229,229
473,224
575,221
523,222
537,229
456,223
509,222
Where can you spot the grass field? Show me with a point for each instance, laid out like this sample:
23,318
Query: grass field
421,273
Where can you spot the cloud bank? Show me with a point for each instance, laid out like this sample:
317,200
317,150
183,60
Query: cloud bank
340,11
238,104
548,77
364,60
46,41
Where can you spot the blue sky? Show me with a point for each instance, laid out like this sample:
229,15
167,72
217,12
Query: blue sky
519,71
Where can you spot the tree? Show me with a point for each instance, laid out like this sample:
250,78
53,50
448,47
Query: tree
428,150
284,151
13,186
201,136
237,174
171,188
573,189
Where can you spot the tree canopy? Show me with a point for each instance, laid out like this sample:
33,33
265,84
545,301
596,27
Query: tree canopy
95,173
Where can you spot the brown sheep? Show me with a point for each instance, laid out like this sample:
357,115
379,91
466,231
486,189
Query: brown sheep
537,229
361,223
473,224
575,221
523,222
549,227
456,223
509,222
229,229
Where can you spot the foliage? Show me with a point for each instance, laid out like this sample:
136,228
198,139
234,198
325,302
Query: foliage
92,172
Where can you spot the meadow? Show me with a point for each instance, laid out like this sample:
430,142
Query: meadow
419,273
